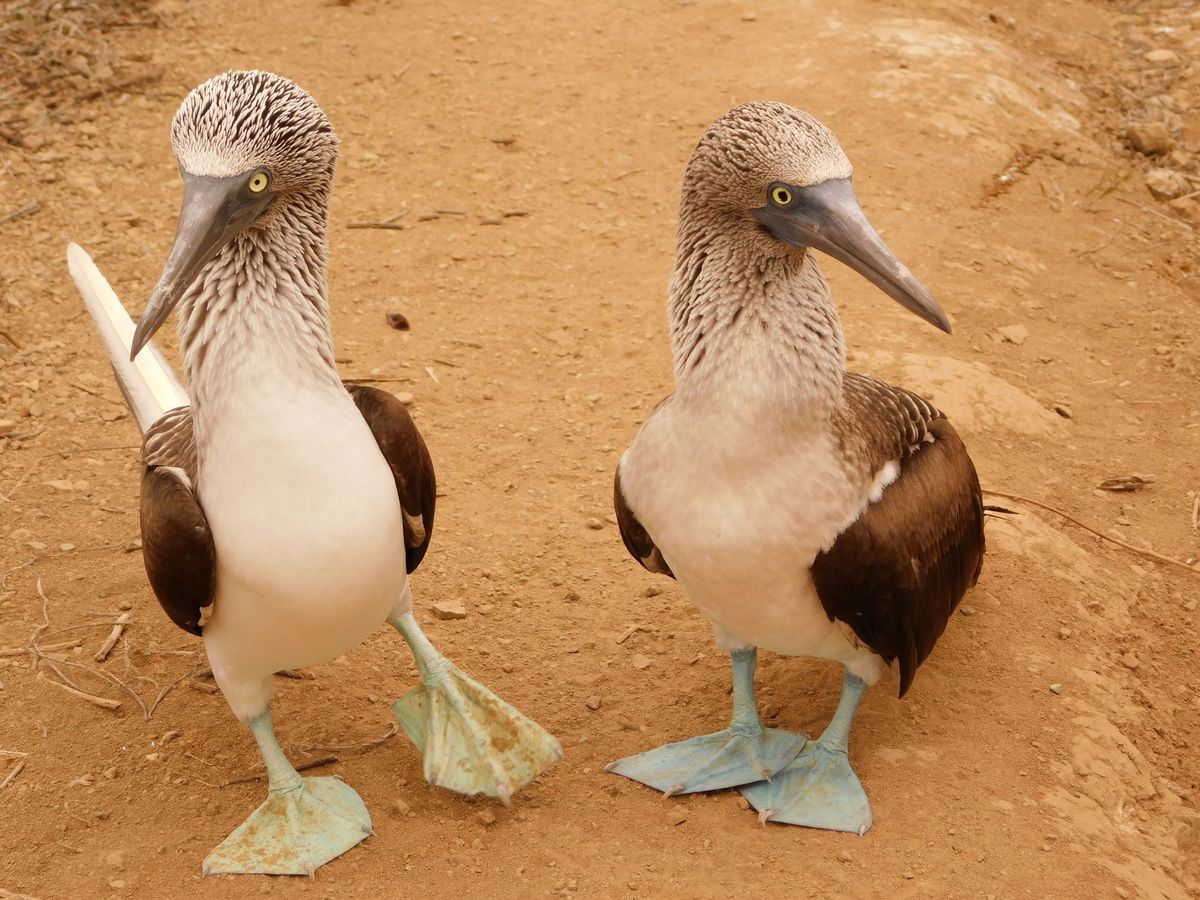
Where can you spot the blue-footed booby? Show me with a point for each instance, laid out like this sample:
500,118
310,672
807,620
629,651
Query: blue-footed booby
805,509
282,511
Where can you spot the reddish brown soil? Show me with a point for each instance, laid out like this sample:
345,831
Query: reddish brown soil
989,153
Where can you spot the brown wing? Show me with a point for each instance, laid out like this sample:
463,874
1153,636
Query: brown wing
177,546
637,540
405,451
898,572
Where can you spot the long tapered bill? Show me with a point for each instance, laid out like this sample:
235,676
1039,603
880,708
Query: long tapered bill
214,211
827,217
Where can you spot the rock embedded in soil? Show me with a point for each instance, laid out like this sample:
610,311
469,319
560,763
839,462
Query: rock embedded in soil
405,397
1013,334
593,702
1150,138
676,816
448,609
594,524
641,662
396,320
485,817
1166,184
400,808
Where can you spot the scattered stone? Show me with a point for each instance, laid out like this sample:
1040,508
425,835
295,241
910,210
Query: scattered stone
1150,138
750,17
60,484
485,817
448,609
125,605
490,220
133,546
66,548
397,320
907,876
156,757
1166,184
115,859
37,547
1063,410
641,662
844,856
1056,688
168,736
594,524
405,397
742,802
1161,57
592,702
772,711
117,884
1130,661
110,773
626,724
965,610
400,808
676,816
1013,334
1064,633
571,596
7,426
652,590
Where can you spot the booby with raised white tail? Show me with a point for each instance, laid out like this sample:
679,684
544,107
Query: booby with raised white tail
282,511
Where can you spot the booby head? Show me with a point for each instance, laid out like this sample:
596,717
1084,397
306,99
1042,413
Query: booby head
249,145
783,178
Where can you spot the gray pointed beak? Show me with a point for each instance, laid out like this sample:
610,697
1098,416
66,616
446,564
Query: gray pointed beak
214,212
827,217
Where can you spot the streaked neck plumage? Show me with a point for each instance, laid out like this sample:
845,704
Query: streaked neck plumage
752,330
259,314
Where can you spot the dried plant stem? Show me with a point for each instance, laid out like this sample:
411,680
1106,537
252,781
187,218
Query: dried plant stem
1104,537
82,695
303,767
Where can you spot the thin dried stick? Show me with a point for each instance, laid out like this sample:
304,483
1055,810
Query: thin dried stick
20,212
170,687
360,748
49,648
82,695
114,636
1104,537
303,767
16,770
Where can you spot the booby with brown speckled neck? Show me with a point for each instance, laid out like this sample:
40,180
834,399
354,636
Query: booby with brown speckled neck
283,511
805,509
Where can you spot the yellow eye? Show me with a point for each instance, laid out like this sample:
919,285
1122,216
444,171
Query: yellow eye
258,182
781,196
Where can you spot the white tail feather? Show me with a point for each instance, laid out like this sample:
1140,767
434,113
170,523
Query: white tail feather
148,383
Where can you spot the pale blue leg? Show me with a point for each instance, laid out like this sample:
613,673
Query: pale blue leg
744,752
819,789
303,824
473,742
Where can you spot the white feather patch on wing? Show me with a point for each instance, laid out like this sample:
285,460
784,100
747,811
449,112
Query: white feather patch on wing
883,478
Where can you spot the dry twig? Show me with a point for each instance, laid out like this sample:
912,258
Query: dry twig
82,695
16,770
113,636
361,747
303,767
1104,537
21,212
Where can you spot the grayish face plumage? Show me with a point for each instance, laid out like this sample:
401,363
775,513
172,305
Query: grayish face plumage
775,181
252,148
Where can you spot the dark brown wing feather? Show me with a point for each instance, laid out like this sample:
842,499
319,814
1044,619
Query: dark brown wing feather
177,546
405,451
898,572
637,541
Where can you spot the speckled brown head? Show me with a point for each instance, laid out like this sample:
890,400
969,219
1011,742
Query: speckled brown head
251,145
777,179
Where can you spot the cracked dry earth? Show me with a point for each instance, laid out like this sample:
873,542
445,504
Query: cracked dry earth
1049,745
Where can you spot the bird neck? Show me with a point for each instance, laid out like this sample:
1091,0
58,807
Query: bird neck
753,331
259,314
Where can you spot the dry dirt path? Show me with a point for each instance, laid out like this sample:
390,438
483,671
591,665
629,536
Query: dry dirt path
537,346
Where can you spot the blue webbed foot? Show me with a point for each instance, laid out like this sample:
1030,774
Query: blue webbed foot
711,762
818,789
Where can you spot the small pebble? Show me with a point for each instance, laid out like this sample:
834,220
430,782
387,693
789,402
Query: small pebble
750,17
491,220
397,320
1063,410
405,397
640,661
592,702
594,524
115,859
1056,688
966,610
133,546
844,856
676,816
485,817
1013,334
448,609
742,802
400,807
1130,661
66,548
652,590
1064,633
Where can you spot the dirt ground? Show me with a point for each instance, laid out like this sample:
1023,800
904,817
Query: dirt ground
1049,746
